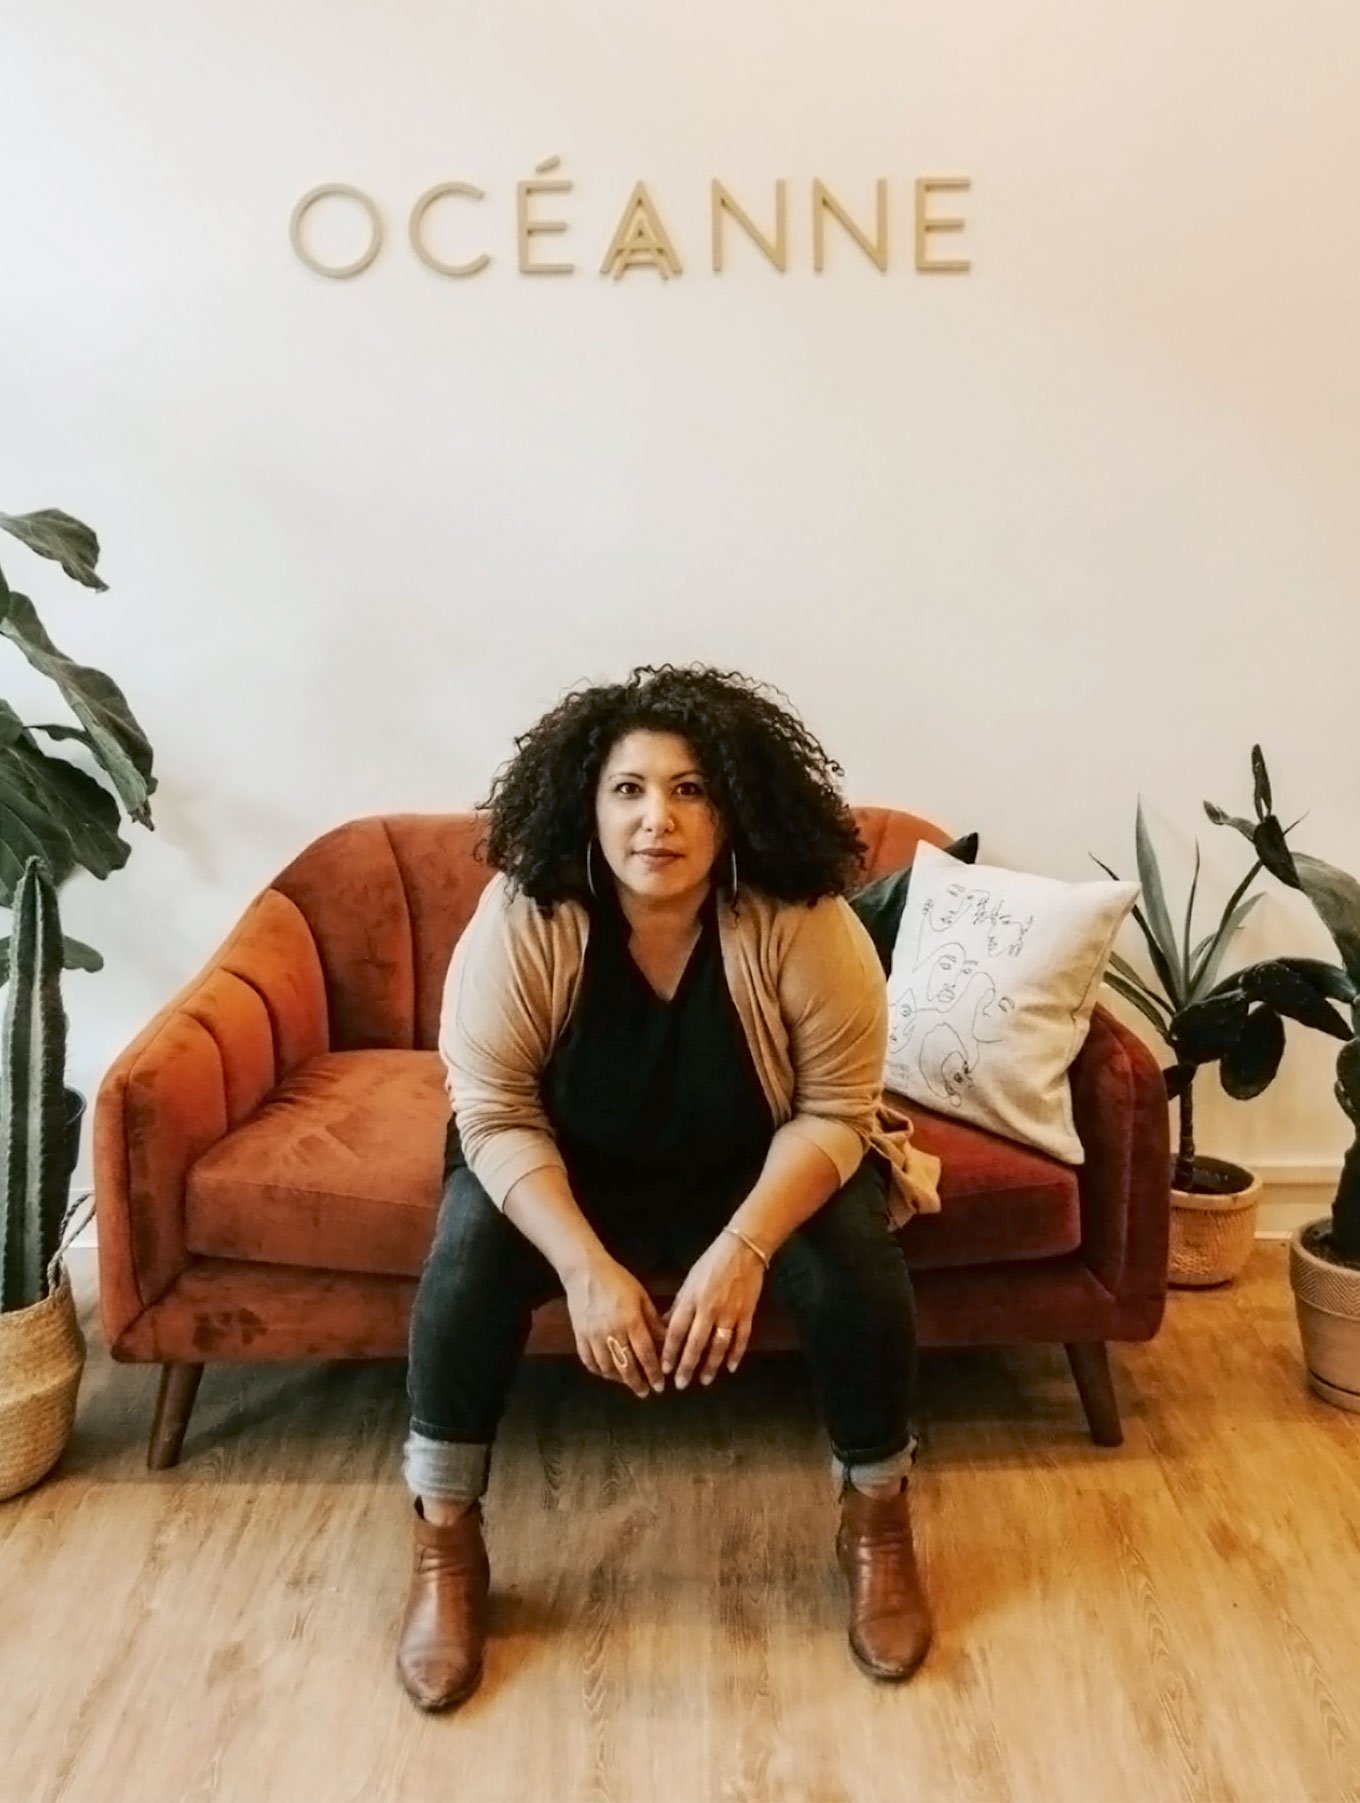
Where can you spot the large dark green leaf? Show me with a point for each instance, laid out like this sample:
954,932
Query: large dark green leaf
1348,1079
51,810
1289,993
1269,840
1246,827
1336,896
52,533
1249,1066
116,739
1327,979
11,726
1205,1030
75,955
1178,1078
1260,780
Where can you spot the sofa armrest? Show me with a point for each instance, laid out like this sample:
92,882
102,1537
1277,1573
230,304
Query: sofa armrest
1120,1107
209,1058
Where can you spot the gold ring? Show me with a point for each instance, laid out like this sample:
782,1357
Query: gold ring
722,1333
618,1352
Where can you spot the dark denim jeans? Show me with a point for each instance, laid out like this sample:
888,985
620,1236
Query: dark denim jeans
842,1276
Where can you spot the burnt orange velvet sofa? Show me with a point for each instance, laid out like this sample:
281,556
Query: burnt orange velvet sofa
268,1151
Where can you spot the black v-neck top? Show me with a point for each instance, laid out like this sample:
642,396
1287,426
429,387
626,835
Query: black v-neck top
644,1092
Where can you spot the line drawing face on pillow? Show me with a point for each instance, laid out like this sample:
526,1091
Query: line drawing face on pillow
950,1006
964,906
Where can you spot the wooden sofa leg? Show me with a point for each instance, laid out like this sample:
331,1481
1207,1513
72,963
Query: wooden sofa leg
174,1405
1090,1362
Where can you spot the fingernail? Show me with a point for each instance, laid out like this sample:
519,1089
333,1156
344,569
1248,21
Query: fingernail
680,1382
658,1385
667,1366
707,1378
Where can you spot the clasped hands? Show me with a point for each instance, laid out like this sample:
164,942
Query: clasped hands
621,1337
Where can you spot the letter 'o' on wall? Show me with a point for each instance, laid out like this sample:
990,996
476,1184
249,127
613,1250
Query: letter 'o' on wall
336,191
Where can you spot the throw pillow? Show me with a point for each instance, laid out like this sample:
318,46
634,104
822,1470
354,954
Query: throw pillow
994,976
879,904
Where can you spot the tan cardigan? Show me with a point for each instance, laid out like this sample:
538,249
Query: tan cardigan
809,991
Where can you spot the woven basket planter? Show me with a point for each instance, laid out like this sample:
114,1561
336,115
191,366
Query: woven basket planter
42,1357
1327,1302
1212,1235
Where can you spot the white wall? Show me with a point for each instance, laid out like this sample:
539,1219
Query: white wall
1019,544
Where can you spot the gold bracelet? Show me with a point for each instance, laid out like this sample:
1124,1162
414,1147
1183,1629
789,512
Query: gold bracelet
737,1234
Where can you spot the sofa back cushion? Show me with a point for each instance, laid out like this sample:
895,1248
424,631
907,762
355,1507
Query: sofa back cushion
386,897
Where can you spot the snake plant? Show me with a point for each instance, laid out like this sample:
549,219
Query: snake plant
35,1150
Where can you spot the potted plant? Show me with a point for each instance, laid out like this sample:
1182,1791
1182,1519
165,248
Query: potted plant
42,1350
55,816
1213,1201
1324,1255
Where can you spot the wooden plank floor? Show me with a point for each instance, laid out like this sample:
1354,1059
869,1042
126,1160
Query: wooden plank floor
1178,1619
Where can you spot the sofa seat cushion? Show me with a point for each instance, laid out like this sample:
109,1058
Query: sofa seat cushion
999,1201
340,1169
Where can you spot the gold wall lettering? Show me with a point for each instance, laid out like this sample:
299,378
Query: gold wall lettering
824,202
778,252
641,240
532,228
417,228
925,225
340,191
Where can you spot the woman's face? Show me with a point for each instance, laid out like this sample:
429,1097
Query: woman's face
652,799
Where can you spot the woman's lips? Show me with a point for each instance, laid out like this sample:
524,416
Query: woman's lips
658,857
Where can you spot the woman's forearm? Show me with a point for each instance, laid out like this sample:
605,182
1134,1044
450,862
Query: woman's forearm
797,1180
544,1210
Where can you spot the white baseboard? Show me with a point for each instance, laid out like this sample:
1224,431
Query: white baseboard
1294,1195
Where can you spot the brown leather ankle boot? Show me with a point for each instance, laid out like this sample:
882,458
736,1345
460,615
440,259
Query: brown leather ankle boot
443,1631
890,1623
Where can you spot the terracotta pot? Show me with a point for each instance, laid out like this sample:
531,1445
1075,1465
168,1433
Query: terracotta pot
1327,1302
1212,1233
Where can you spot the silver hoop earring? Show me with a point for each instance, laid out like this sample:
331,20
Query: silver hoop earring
590,871
734,870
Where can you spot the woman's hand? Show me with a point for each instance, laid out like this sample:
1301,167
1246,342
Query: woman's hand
713,1310
618,1331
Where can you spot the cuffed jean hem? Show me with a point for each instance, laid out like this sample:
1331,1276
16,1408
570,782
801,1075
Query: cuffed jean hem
445,1470
876,1471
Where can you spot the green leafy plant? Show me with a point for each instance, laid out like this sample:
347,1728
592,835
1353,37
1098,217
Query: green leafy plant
1183,973
50,807
1306,989
55,817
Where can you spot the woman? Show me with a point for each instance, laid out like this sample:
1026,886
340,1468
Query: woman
663,1032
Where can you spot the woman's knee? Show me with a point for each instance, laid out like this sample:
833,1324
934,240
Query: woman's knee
475,1244
847,1248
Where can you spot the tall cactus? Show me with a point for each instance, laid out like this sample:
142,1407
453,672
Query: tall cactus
34,1172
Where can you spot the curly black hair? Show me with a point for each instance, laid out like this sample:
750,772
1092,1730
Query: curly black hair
773,785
